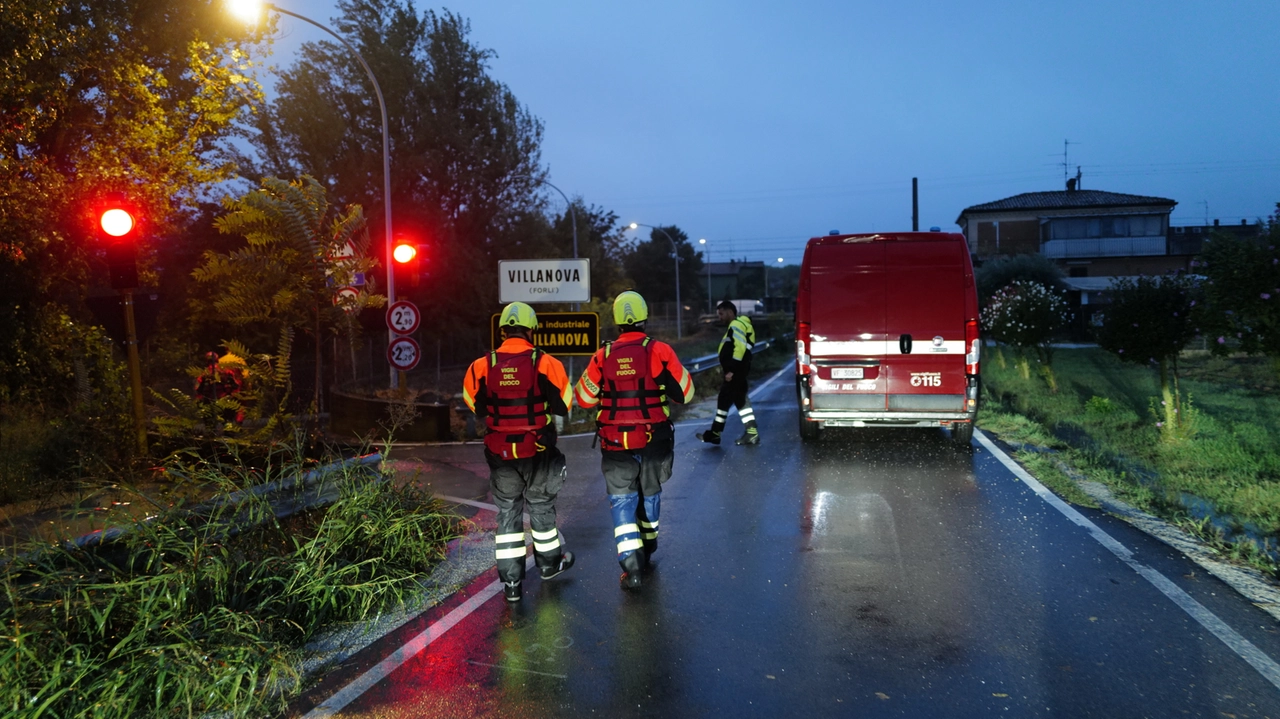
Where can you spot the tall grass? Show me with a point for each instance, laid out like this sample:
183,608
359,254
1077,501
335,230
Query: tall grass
201,609
1224,452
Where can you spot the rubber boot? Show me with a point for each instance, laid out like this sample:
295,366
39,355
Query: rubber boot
632,570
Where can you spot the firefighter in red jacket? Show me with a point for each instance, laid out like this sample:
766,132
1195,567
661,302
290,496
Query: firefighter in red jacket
515,389
632,381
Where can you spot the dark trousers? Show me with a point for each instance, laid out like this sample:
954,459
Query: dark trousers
633,479
516,483
733,393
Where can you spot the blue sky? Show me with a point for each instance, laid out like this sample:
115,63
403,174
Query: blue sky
756,125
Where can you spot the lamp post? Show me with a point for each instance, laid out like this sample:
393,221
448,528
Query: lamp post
710,306
676,252
249,9
572,215
766,278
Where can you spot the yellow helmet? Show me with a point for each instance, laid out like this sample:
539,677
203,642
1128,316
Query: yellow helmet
629,308
518,314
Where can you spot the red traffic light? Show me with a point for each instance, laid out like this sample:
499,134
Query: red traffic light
116,222
404,253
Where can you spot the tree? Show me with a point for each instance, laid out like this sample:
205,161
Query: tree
83,112
284,277
1242,293
465,153
1149,322
1027,315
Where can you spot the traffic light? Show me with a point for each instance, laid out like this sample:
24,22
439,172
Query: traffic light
409,258
118,232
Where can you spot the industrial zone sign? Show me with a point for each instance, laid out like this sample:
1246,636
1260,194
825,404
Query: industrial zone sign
560,333
544,280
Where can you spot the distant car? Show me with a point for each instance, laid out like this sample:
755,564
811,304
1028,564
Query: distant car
749,307
887,333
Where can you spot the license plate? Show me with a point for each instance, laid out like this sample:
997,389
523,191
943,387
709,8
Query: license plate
846,373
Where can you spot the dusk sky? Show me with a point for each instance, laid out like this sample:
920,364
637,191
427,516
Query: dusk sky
757,125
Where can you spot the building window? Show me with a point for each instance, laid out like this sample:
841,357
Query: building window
1100,227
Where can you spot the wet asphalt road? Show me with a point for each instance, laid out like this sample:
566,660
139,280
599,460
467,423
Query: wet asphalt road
875,573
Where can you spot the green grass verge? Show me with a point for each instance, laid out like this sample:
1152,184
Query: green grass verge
1103,422
184,616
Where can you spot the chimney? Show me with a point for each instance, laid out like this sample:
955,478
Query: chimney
1071,184
1215,222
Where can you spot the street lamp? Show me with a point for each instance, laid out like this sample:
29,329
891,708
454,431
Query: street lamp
766,278
253,10
710,306
676,252
572,215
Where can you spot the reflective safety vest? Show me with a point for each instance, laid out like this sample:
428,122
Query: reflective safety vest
512,393
629,394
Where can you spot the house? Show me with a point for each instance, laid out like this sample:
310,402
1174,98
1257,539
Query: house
1095,236
1089,233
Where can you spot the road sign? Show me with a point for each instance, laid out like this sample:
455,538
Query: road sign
560,333
403,353
346,298
403,317
544,280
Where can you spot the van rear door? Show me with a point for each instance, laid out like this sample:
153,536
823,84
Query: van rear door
848,323
925,313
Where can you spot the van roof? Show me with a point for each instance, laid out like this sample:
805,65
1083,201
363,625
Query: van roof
884,236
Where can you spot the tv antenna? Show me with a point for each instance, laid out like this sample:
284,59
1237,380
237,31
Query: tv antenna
1066,162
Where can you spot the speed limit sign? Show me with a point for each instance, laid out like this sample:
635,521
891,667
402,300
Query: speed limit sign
403,317
403,353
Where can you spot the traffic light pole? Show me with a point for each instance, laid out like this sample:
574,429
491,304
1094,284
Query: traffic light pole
135,375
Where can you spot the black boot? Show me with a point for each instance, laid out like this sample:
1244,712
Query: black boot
710,436
565,561
632,568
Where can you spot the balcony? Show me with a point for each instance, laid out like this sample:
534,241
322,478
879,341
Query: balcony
1105,247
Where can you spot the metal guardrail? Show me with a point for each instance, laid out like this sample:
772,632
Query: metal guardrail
702,364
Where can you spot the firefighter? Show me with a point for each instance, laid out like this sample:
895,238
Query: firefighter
632,381
514,390
735,361
222,377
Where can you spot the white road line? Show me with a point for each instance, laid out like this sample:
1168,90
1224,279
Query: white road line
383,669
470,502
774,378
1207,619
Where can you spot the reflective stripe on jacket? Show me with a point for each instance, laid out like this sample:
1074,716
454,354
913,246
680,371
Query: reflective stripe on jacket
672,379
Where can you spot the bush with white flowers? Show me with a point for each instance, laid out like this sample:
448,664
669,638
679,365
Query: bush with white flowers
1027,315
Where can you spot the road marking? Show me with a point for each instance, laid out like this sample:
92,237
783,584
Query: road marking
516,669
1207,619
771,380
383,669
470,502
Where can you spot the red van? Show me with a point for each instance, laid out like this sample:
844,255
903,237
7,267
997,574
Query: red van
887,333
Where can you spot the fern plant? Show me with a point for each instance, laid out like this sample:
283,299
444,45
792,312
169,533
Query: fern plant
263,401
297,254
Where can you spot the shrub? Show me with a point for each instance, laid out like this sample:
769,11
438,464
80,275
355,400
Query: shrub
995,274
1027,315
1149,322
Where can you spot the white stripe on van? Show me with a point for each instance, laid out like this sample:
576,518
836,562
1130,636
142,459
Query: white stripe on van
881,348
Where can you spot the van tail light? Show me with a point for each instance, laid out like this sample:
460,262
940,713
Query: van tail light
802,348
974,345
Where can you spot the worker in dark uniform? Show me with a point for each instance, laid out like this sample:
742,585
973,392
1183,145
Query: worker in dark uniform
735,361
514,390
632,381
